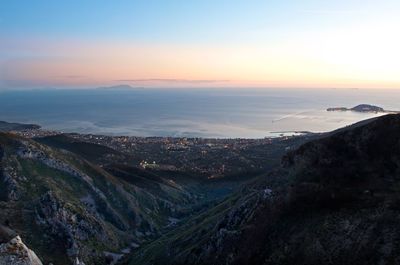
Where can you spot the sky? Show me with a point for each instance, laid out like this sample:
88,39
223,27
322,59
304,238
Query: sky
200,43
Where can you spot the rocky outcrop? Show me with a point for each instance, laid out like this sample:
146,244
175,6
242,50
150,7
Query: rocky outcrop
11,184
13,251
78,262
8,182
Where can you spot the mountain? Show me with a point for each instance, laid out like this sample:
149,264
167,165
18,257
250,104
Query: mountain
7,126
66,207
334,200
367,108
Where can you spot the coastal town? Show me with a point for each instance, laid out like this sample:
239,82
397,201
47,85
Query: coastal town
210,157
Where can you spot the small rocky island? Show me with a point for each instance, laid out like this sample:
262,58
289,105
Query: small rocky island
360,108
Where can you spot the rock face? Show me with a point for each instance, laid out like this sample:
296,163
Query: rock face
15,252
69,227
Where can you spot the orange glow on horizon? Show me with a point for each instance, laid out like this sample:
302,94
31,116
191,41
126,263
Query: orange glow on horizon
353,57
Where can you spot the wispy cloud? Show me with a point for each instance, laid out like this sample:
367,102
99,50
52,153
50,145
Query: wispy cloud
73,76
174,80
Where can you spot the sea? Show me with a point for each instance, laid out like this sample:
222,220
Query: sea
211,113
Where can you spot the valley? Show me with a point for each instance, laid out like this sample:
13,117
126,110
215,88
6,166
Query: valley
98,199
312,199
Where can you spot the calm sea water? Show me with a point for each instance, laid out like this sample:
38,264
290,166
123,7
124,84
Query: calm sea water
199,113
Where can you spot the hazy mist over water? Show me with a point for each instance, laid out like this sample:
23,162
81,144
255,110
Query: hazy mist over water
191,113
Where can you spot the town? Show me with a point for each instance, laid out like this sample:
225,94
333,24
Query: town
211,157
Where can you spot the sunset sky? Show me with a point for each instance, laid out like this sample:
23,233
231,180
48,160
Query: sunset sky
200,43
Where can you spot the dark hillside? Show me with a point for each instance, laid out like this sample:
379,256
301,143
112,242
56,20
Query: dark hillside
334,201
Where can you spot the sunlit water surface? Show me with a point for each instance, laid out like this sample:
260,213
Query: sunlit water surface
195,113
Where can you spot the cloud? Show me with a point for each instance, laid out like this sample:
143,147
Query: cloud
174,80
73,76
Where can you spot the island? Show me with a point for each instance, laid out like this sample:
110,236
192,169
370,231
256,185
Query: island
360,108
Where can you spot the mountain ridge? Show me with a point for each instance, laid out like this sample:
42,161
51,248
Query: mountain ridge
334,200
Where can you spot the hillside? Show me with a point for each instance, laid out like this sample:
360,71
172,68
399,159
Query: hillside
334,201
7,126
65,207
71,200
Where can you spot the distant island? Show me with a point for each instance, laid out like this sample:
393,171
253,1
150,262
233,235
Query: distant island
360,108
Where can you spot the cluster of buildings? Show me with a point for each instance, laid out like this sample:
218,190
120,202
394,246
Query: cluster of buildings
34,133
211,157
